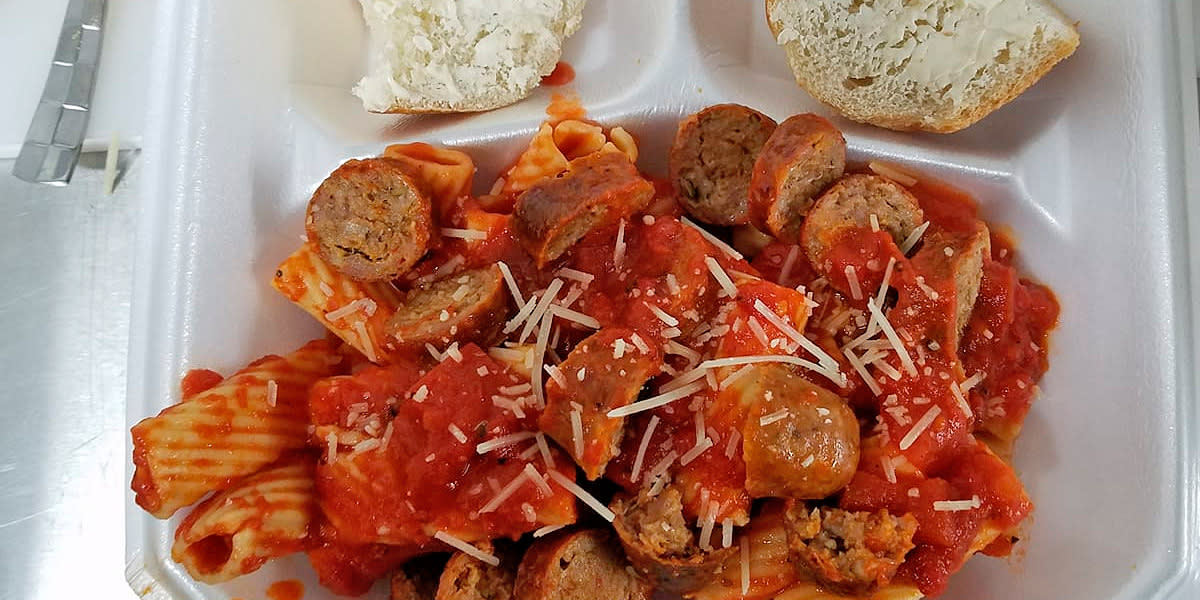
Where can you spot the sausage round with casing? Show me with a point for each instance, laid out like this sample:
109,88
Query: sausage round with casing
712,159
370,219
468,306
849,204
658,542
799,439
577,565
804,155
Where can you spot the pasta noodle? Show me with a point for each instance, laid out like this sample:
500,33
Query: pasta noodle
261,517
448,173
228,431
346,307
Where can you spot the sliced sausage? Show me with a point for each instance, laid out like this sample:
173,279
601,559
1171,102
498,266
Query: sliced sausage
468,306
371,219
597,381
596,191
418,578
951,263
466,578
849,204
577,565
803,156
799,439
660,545
849,552
712,159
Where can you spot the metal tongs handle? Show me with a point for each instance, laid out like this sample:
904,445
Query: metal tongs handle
56,134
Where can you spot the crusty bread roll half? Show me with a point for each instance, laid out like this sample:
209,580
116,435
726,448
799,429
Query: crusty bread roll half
437,56
932,65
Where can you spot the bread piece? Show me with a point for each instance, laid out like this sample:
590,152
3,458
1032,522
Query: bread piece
803,155
438,56
712,158
371,219
577,565
932,65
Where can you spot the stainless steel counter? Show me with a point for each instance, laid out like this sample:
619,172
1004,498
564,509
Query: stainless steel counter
65,256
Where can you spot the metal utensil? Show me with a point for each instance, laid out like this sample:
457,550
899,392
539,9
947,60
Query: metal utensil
55,135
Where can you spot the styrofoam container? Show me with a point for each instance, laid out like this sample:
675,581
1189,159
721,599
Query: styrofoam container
1090,170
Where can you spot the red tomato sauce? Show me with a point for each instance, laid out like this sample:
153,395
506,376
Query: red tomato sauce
288,589
562,74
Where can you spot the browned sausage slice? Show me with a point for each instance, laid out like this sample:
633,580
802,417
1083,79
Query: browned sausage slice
951,263
418,578
849,204
849,552
596,191
469,306
371,219
712,159
466,578
660,545
799,439
803,156
605,371
577,565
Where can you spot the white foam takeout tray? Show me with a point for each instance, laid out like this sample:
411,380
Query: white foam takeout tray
250,110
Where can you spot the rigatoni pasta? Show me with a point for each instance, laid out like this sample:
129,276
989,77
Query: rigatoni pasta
356,311
228,431
264,516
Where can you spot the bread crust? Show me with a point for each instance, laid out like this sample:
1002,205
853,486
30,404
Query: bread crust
967,115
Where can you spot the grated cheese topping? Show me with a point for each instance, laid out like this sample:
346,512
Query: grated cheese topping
467,549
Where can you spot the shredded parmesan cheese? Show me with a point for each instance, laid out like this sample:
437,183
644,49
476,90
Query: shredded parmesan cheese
731,447
502,441
645,443
656,401
778,415
919,427
890,333
457,433
544,448
547,530
721,276
744,552
521,316
464,234
467,549
582,494
956,505
695,452
889,468
619,246
914,237
504,493
662,315
579,276
577,432
712,239
513,288
893,173
272,392
788,263
852,280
